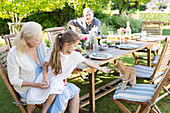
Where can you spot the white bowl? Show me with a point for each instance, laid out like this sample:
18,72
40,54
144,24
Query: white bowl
103,47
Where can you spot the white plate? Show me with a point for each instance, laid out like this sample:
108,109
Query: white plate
147,39
100,56
128,46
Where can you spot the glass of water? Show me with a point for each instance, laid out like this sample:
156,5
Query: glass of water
143,34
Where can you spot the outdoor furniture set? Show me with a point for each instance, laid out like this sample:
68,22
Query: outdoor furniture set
161,72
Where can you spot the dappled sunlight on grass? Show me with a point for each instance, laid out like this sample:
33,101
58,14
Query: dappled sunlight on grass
145,81
98,81
2,42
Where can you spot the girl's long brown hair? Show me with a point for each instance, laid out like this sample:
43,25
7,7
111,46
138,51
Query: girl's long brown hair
62,38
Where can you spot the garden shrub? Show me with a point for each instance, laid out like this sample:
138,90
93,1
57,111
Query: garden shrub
55,18
105,28
155,16
4,29
142,7
121,21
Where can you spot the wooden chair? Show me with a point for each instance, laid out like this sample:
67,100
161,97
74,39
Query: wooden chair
20,102
9,39
153,74
146,95
52,33
151,28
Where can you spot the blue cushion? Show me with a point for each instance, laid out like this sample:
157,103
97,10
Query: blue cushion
155,59
139,93
145,71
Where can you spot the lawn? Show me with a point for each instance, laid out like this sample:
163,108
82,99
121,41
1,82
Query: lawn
103,105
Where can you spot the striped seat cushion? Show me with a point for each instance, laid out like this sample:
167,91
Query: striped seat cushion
145,71
155,59
139,93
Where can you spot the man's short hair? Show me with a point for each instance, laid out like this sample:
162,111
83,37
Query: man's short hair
86,9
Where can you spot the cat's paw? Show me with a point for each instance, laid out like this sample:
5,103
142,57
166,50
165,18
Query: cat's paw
132,85
121,90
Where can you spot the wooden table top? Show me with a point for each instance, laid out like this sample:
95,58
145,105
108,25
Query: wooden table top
117,53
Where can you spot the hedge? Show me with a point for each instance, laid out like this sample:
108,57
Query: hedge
155,16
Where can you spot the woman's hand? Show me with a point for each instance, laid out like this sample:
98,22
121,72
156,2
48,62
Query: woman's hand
105,69
45,80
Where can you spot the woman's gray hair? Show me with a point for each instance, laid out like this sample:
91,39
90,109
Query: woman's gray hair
29,31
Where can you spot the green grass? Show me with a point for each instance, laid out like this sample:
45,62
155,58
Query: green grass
166,32
103,105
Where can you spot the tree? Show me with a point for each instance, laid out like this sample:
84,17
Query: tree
16,10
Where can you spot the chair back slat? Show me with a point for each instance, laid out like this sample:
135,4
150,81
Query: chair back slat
9,39
164,58
161,84
3,56
4,63
53,32
3,72
153,27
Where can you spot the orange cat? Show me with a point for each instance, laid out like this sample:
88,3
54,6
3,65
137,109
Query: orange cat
127,74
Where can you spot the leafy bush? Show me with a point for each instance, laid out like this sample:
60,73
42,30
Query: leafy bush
101,15
4,29
53,19
142,7
105,28
121,21
155,16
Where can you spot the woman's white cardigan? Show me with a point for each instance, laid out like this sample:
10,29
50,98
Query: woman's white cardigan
21,69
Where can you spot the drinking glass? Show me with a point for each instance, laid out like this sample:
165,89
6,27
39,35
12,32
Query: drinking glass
122,40
110,32
143,34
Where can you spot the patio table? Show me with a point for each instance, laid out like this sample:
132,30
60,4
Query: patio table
117,53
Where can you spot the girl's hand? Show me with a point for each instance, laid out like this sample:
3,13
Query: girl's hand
45,81
105,69
65,82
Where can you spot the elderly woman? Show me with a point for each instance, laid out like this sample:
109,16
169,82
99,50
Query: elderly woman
26,58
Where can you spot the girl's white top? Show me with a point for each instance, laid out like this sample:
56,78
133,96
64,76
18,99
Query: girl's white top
68,63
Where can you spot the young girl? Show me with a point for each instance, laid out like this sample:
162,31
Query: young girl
60,64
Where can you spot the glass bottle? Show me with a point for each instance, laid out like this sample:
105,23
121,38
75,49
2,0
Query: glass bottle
91,41
95,45
128,31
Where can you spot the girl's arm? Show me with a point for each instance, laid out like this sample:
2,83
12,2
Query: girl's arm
93,65
45,71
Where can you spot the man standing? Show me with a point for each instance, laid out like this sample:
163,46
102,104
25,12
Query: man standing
86,23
